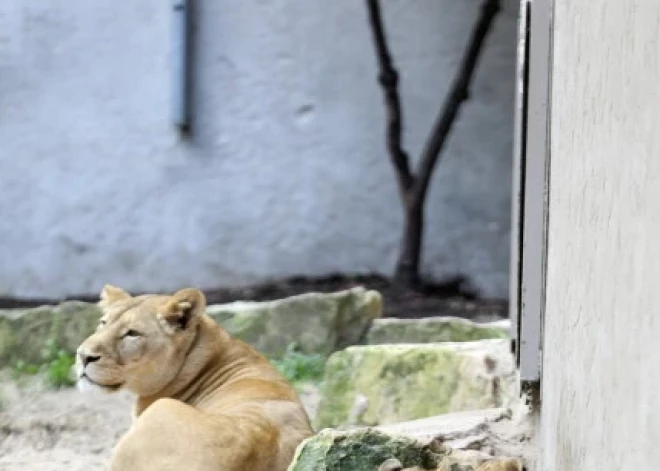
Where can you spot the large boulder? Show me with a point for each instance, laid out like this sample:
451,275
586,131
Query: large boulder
316,322
25,333
369,449
332,450
384,384
435,329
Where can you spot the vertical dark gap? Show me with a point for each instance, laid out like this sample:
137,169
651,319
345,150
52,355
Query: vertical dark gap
523,165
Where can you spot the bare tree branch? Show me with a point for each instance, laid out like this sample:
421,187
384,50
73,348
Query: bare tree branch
413,187
389,80
458,94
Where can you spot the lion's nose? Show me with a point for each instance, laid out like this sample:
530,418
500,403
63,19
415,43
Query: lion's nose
86,358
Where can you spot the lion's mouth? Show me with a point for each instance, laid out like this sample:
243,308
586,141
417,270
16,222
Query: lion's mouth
108,387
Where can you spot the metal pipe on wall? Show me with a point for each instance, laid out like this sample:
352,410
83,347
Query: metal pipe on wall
180,64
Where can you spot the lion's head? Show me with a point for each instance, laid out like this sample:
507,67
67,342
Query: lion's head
141,342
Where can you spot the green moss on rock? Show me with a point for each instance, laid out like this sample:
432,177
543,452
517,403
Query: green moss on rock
25,333
432,330
384,384
315,322
366,449
362,450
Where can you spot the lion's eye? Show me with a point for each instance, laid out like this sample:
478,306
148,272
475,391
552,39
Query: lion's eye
132,333
102,323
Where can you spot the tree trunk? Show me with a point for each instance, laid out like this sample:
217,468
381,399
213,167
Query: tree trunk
407,271
413,186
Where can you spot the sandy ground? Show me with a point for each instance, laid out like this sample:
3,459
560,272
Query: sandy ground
64,430
43,430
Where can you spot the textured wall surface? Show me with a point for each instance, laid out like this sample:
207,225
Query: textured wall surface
286,172
601,377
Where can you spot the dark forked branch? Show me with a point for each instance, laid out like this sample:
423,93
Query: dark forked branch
388,78
460,91
413,187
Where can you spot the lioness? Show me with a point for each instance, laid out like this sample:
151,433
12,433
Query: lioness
205,401
496,465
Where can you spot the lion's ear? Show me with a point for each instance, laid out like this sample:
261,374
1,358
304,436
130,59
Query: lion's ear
184,306
111,294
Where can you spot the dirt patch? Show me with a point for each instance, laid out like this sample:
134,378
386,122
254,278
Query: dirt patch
47,430
448,298
64,430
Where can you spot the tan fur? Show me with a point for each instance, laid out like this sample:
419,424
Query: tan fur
205,401
493,465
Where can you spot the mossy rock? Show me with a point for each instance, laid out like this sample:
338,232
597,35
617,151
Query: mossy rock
25,333
432,330
316,322
367,449
384,384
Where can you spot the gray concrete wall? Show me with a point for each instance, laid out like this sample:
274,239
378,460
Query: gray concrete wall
601,356
286,173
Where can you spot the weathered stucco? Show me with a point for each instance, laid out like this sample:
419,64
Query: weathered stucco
286,172
600,382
